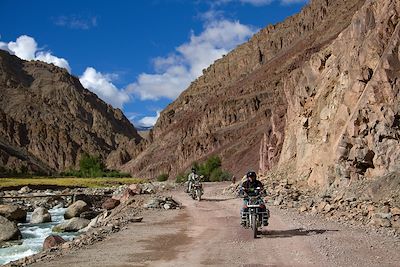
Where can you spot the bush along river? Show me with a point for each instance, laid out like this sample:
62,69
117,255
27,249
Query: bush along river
33,236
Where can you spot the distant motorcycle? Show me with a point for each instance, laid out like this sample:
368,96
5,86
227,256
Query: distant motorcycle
197,189
255,214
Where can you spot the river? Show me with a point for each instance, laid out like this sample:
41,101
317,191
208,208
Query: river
33,236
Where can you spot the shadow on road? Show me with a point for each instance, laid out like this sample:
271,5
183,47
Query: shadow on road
293,232
217,199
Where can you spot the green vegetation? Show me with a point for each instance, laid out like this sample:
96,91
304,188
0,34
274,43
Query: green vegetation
91,173
181,178
162,177
92,166
68,181
211,170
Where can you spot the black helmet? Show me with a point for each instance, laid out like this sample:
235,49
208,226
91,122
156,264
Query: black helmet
194,170
251,174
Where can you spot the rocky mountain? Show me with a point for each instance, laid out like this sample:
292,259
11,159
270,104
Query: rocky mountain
316,95
47,119
239,107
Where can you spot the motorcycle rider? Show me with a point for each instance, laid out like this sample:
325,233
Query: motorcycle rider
250,187
192,177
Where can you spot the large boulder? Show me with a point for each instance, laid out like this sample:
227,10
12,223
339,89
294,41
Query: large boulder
52,241
72,225
76,209
110,203
126,195
8,230
40,215
89,214
13,213
24,190
136,188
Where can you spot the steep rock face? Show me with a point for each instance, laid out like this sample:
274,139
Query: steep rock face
47,119
343,104
237,108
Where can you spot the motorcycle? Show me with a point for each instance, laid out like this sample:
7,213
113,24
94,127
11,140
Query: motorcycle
255,214
197,189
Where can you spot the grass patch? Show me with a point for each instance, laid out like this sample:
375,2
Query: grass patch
68,181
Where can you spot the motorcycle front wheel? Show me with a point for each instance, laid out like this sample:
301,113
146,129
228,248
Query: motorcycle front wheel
198,194
254,225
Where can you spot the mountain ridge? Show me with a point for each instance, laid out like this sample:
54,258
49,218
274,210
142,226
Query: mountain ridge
48,119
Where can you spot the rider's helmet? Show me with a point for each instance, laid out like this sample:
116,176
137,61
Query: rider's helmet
251,174
194,170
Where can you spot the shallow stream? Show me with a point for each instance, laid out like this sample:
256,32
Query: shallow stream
33,236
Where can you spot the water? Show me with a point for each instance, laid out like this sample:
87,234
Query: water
33,236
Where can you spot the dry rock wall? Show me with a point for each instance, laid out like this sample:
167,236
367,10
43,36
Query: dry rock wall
343,104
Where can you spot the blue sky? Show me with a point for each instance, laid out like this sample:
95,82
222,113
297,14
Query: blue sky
136,55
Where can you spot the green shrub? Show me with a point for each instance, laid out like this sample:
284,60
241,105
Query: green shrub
162,177
209,166
181,178
211,170
219,175
92,166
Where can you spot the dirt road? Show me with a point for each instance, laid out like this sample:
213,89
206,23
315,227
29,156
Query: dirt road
207,233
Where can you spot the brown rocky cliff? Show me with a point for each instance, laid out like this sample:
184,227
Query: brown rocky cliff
240,100
47,119
343,113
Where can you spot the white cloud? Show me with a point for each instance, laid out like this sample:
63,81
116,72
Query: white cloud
175,72
148,121
76,21
25,47
49,58
257,2
102,85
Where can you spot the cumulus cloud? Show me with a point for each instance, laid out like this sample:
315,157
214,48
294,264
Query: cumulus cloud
149,121
25,47
175,72
102,85
76,22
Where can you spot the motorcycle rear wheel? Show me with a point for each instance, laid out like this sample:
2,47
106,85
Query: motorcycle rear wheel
254,225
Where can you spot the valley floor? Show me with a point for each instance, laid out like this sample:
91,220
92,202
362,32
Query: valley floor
207,233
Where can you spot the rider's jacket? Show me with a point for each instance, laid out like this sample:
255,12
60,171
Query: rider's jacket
193,177
249,186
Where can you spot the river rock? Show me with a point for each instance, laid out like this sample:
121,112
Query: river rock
136,188
110,204
89,214
40,215
13,213
8,230
76,209
126,195
52,241
24,190
72,225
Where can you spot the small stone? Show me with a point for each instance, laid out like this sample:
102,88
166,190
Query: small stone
395,211
303,208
